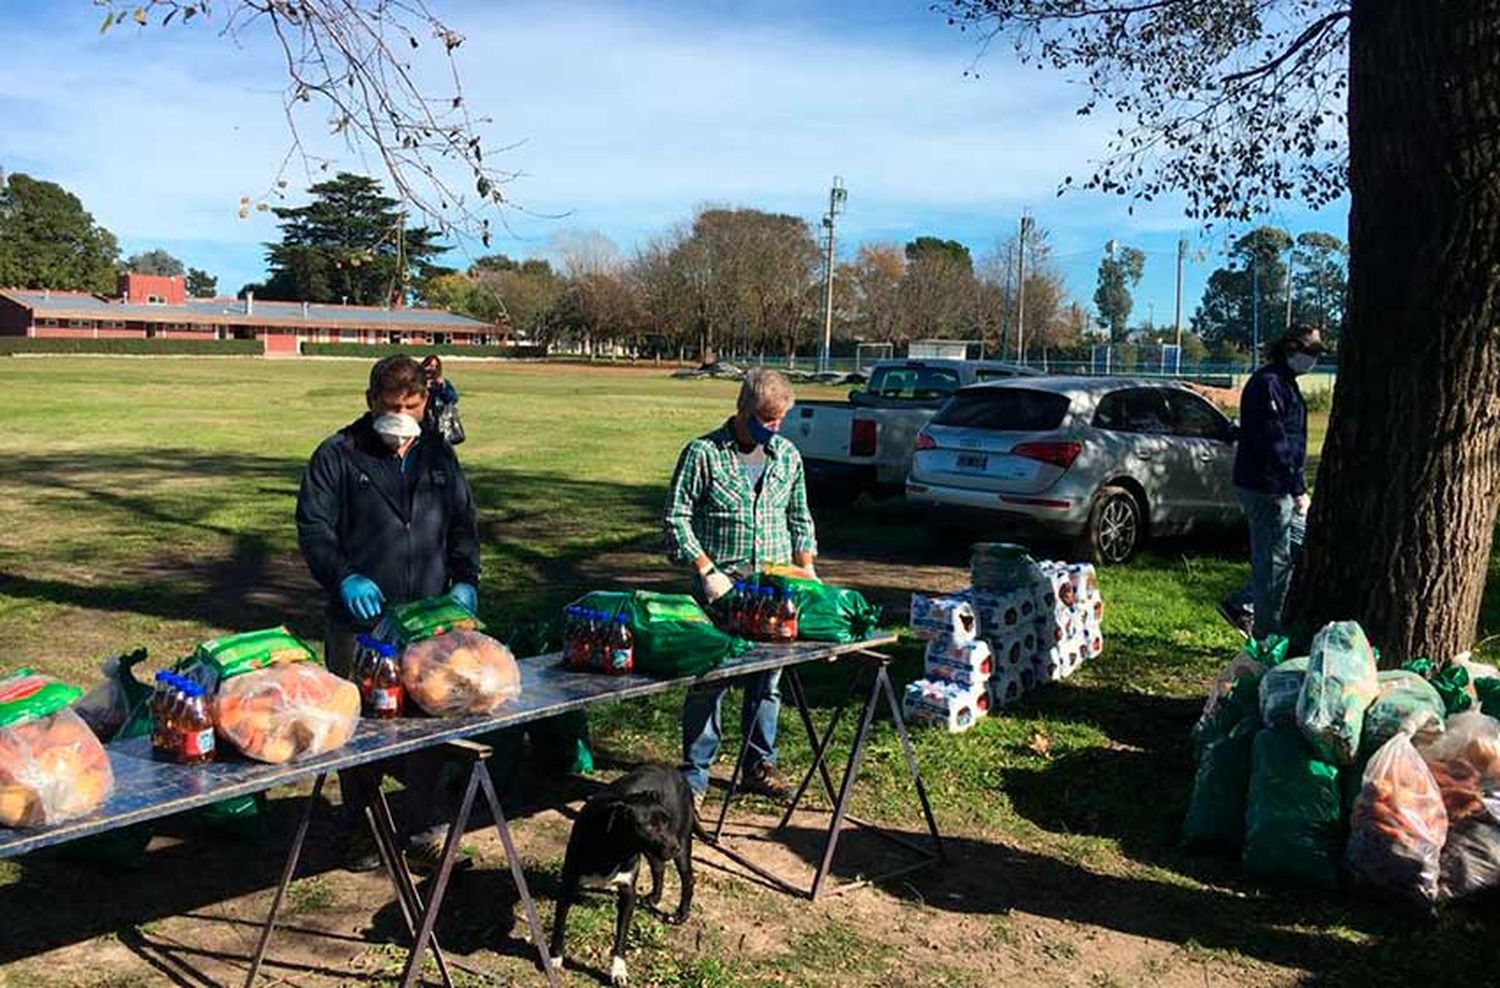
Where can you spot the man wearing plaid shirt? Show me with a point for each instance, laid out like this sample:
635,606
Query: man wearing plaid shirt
738,502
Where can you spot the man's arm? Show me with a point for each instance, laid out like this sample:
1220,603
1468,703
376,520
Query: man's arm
799,518
686,487
463,530
319,503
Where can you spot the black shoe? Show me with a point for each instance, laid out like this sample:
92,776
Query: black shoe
763,780
359,852
1239,619
425,857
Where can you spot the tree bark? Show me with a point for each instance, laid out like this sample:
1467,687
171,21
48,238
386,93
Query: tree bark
1405,503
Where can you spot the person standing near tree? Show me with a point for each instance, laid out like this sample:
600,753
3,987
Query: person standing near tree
385,516
737,502
1270,466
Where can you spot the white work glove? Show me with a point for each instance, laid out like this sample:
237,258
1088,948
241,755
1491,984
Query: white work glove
715,585
1303,503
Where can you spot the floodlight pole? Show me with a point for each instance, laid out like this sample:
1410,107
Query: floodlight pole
1021,289
836,197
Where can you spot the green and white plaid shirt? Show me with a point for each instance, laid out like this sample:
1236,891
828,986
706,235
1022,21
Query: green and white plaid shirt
711,509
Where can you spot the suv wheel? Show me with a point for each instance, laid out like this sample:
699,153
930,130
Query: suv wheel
1116,526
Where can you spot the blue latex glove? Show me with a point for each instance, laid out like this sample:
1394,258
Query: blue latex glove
362,598
466,595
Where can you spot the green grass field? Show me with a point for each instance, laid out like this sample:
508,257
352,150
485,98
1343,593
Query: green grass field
150,503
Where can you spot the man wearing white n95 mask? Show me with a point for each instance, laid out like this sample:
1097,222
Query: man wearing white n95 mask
738,502
385,516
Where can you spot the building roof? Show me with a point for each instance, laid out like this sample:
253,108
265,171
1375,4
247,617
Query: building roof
232,311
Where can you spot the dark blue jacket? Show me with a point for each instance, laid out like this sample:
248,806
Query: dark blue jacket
1272,451
409,527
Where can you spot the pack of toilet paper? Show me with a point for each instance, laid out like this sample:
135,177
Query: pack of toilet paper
943,704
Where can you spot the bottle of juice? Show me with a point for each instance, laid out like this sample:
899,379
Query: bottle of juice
387,697
770,629
598,642
736,609
786,617
621,646
160,698
196,728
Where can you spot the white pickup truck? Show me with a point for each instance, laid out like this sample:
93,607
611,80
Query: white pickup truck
866,443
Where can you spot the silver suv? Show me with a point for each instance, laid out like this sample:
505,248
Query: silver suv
1108,460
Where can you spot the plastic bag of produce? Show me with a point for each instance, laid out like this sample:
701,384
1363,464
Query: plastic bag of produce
1255,658
1223,745
1293,811
1279,689
826,613
109,706
1404,698
673,635
1465,761
52,767
1342,681
1399,824
286,712
461,672
421,619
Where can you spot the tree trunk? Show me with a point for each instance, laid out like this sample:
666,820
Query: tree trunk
1407,489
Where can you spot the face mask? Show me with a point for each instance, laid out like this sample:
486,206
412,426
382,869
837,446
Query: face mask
759,431
1301,363
396,428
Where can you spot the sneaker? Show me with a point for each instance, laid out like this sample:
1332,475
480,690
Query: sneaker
426,856
359,852
698,798
763,780
1239,618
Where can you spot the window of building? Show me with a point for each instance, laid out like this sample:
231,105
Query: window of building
394,338
155,300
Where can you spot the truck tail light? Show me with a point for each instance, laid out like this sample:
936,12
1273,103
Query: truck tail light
924,441
862,435
1057,454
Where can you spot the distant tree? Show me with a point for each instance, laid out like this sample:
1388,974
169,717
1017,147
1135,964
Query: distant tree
1043,301
349,243
873,283
155,262
1320,282
938,291
935,247
1245,301
1119,272
201,284
48,240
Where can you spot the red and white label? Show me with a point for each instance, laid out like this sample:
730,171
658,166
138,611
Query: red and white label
196,744
386,699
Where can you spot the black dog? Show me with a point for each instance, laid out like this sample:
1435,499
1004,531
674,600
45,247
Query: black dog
648,813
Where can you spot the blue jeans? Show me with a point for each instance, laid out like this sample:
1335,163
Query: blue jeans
702,726
1271,517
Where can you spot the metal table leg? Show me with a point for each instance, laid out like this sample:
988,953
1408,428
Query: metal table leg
286,879
476,754
383,827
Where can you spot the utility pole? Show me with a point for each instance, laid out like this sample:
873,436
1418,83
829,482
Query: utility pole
836,197
1254,309
1177,314
1291,259
1021,289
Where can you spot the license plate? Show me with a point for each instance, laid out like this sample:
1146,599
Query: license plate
972,461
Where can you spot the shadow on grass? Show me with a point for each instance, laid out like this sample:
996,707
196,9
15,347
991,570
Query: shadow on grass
1295,930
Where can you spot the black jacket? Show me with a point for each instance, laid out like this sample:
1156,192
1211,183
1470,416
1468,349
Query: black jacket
1272,451
411,530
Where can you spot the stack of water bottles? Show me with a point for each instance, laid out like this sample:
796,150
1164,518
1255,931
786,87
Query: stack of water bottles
182,728
991,644
595,641
761,612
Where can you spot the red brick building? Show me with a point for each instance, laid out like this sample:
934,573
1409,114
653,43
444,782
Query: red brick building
153,307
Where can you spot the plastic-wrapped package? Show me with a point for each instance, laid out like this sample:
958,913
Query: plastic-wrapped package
1279,689
1403,695
1399,823
1465,761
1293,811
286,712
461,672
1342,681
404,624
52,767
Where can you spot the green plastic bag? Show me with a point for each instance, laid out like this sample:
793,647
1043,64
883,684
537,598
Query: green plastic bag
1223,746
1489,695
826,613
1342,681
1279,689
29,695
214,661
1402,694
673,636
1292,811
1452,684
418,620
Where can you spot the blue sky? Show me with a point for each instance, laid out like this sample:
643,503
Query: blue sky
628,116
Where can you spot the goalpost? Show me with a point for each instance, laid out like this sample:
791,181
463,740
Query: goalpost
866,354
